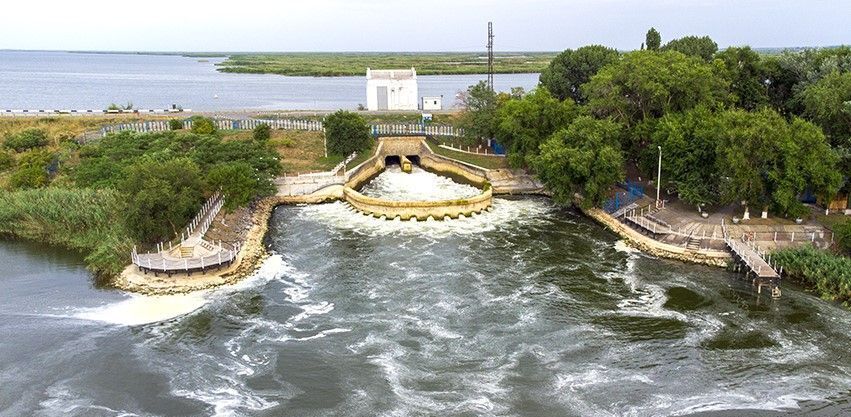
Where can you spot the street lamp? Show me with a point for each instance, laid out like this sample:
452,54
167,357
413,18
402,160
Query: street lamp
659,177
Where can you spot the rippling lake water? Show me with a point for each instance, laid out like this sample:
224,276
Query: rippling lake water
530,309
62,80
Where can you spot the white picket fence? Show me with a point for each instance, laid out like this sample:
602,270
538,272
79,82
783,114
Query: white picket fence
287,124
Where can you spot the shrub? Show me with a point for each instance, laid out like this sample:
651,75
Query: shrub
346,132
27,139
262,132
28,176
843,236
239,183
6,161
203,125
175,124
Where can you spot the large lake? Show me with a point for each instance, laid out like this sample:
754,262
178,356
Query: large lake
528,310
62,80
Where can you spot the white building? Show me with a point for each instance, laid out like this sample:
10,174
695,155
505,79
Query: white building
391,89
432,103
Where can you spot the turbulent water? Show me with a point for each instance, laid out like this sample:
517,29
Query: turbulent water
526,310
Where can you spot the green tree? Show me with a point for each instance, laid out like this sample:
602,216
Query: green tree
175,124
688,142
748,78
239,182
480,105
262,132
702,47
203,125
768,162
653,40
162,197
347,132
26,139
646,85
524,124
584,158
827,102
570,69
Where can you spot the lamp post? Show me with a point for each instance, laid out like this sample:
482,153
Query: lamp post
659,177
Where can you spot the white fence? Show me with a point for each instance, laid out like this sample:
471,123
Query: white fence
286,124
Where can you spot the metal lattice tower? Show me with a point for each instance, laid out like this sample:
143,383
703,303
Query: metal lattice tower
490,55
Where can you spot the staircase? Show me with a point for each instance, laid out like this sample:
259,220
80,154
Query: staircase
693,243
187,251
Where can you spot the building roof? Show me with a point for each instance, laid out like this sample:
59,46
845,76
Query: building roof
391,74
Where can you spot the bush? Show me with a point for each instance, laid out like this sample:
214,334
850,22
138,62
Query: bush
162,196
239,183
346,132
175,124
262,132
843,236
6,161
27,139
28,176
203,125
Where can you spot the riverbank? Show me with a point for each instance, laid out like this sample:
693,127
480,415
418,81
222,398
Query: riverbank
654,247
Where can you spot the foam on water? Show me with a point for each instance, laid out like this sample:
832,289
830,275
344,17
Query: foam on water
419,185
144,309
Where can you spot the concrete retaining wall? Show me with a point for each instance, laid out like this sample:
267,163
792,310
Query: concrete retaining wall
421,210
652,246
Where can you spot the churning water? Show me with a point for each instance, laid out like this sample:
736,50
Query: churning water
526,310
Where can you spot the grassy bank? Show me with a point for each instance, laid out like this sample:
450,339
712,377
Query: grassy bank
84,220
825,272
484,161
343,64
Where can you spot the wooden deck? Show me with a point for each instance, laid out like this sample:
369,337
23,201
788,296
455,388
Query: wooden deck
750,256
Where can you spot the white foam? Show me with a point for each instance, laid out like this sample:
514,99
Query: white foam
505,212
144,309
421,185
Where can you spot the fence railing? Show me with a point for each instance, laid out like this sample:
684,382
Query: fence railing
286,124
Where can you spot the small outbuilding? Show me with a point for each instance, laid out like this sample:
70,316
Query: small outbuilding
432,103
391,89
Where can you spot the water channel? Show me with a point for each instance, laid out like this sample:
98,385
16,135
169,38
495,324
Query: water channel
530,309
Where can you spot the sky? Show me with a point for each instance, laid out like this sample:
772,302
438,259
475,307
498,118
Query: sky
402,25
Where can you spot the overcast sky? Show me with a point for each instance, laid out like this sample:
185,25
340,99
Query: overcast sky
401,25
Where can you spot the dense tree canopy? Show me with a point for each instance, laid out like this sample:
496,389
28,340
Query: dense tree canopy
525,123
239,182
570,69
827,102
346,132
203,125
646,85
748,79
162,196
584,158
701,47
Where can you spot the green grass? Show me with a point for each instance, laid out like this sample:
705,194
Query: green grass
484,161
346,64
84,220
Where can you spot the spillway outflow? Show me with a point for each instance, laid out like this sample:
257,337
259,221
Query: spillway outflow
419,185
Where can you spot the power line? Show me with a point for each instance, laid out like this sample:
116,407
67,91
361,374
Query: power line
490,55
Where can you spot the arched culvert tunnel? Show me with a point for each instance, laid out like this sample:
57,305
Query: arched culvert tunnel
415,159
392,160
